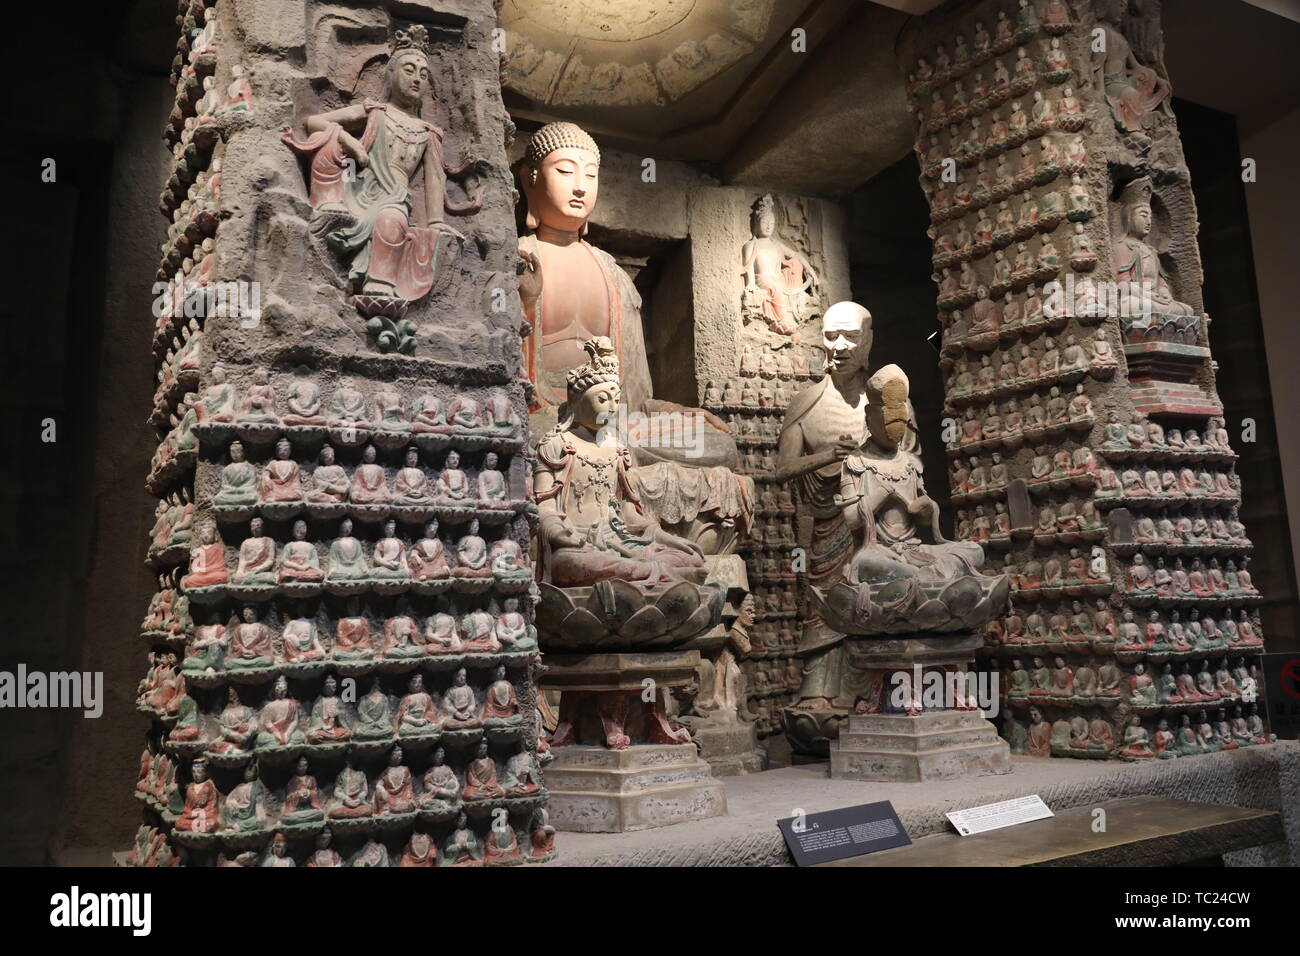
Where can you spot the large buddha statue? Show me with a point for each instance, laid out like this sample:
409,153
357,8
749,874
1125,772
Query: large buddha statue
572,292
592,526
1136,261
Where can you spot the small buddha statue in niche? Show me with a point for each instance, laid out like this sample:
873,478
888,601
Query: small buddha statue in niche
369,482
351,793
452,485
481,777
279,723
304,403
780,284
217,403
427,558
394,789
411,484
441,788
301,796
299,561
256,567
500,704
460,706
429,416
416,713
492,491
328,723
250,643
207,561
329,481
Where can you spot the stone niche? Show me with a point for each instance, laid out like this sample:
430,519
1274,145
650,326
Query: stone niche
1089,454
342,645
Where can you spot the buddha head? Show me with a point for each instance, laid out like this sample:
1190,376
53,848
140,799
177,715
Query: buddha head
847,337
593,389
887,407
763,218
560,176
407,76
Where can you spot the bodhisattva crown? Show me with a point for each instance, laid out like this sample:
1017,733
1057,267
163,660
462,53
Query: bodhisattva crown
601,367
414,40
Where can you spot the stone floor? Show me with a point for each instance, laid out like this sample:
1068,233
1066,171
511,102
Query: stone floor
1265,777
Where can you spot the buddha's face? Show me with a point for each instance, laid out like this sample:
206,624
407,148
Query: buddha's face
409,78
846,337
564,193
597,405
1139,221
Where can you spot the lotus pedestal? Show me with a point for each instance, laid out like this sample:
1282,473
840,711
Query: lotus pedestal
620,763
934,743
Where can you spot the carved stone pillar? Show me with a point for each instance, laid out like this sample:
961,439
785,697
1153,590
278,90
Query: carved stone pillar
1088,447
342,641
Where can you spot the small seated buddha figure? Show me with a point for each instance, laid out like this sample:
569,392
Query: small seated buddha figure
238,481
1137,743
259,405
499,416
1188,740
374,716
479,631
429,416
352,637
427,558
521,777
461,848
500,705
201,802
394,787
481,777
1187,689
1142,689
501,846
237,726
279,724
304,403
417,715
369,482
506,556
460,707
491,484
217,405
348,410
250,643
256,567
402,639
512,630
329,482
301,642
411,484
464,414
280,482
206,650
329,722
388,559
419,851
441,635
472,554
452,484
301,797
347,559
441,789
299,561
351,794
374,855
391,416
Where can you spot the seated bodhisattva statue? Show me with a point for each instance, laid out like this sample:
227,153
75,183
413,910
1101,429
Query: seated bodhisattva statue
592,525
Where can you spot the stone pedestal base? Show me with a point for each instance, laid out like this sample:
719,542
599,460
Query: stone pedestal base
939,745
730,751
597,790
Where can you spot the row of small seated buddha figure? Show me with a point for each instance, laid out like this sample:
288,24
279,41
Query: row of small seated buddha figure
150,848
1066,521
758,462
773,533
1013,424
776,367
770,601
247,642
1013,24
1075,569
1198,580
973,318
770,566
186,299
1148,483
1191,529
1036,163
1046,111
772,639
237,729
1060,684
977,137
750,429
194,218
775,499
177,451
1038,365
173,528
250,807
197,44
1029,265
156,784
1077,626
281,487
1144,435
352,567
259,405
773,677
971,481
1036,214
1140,740
532,841
168,614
